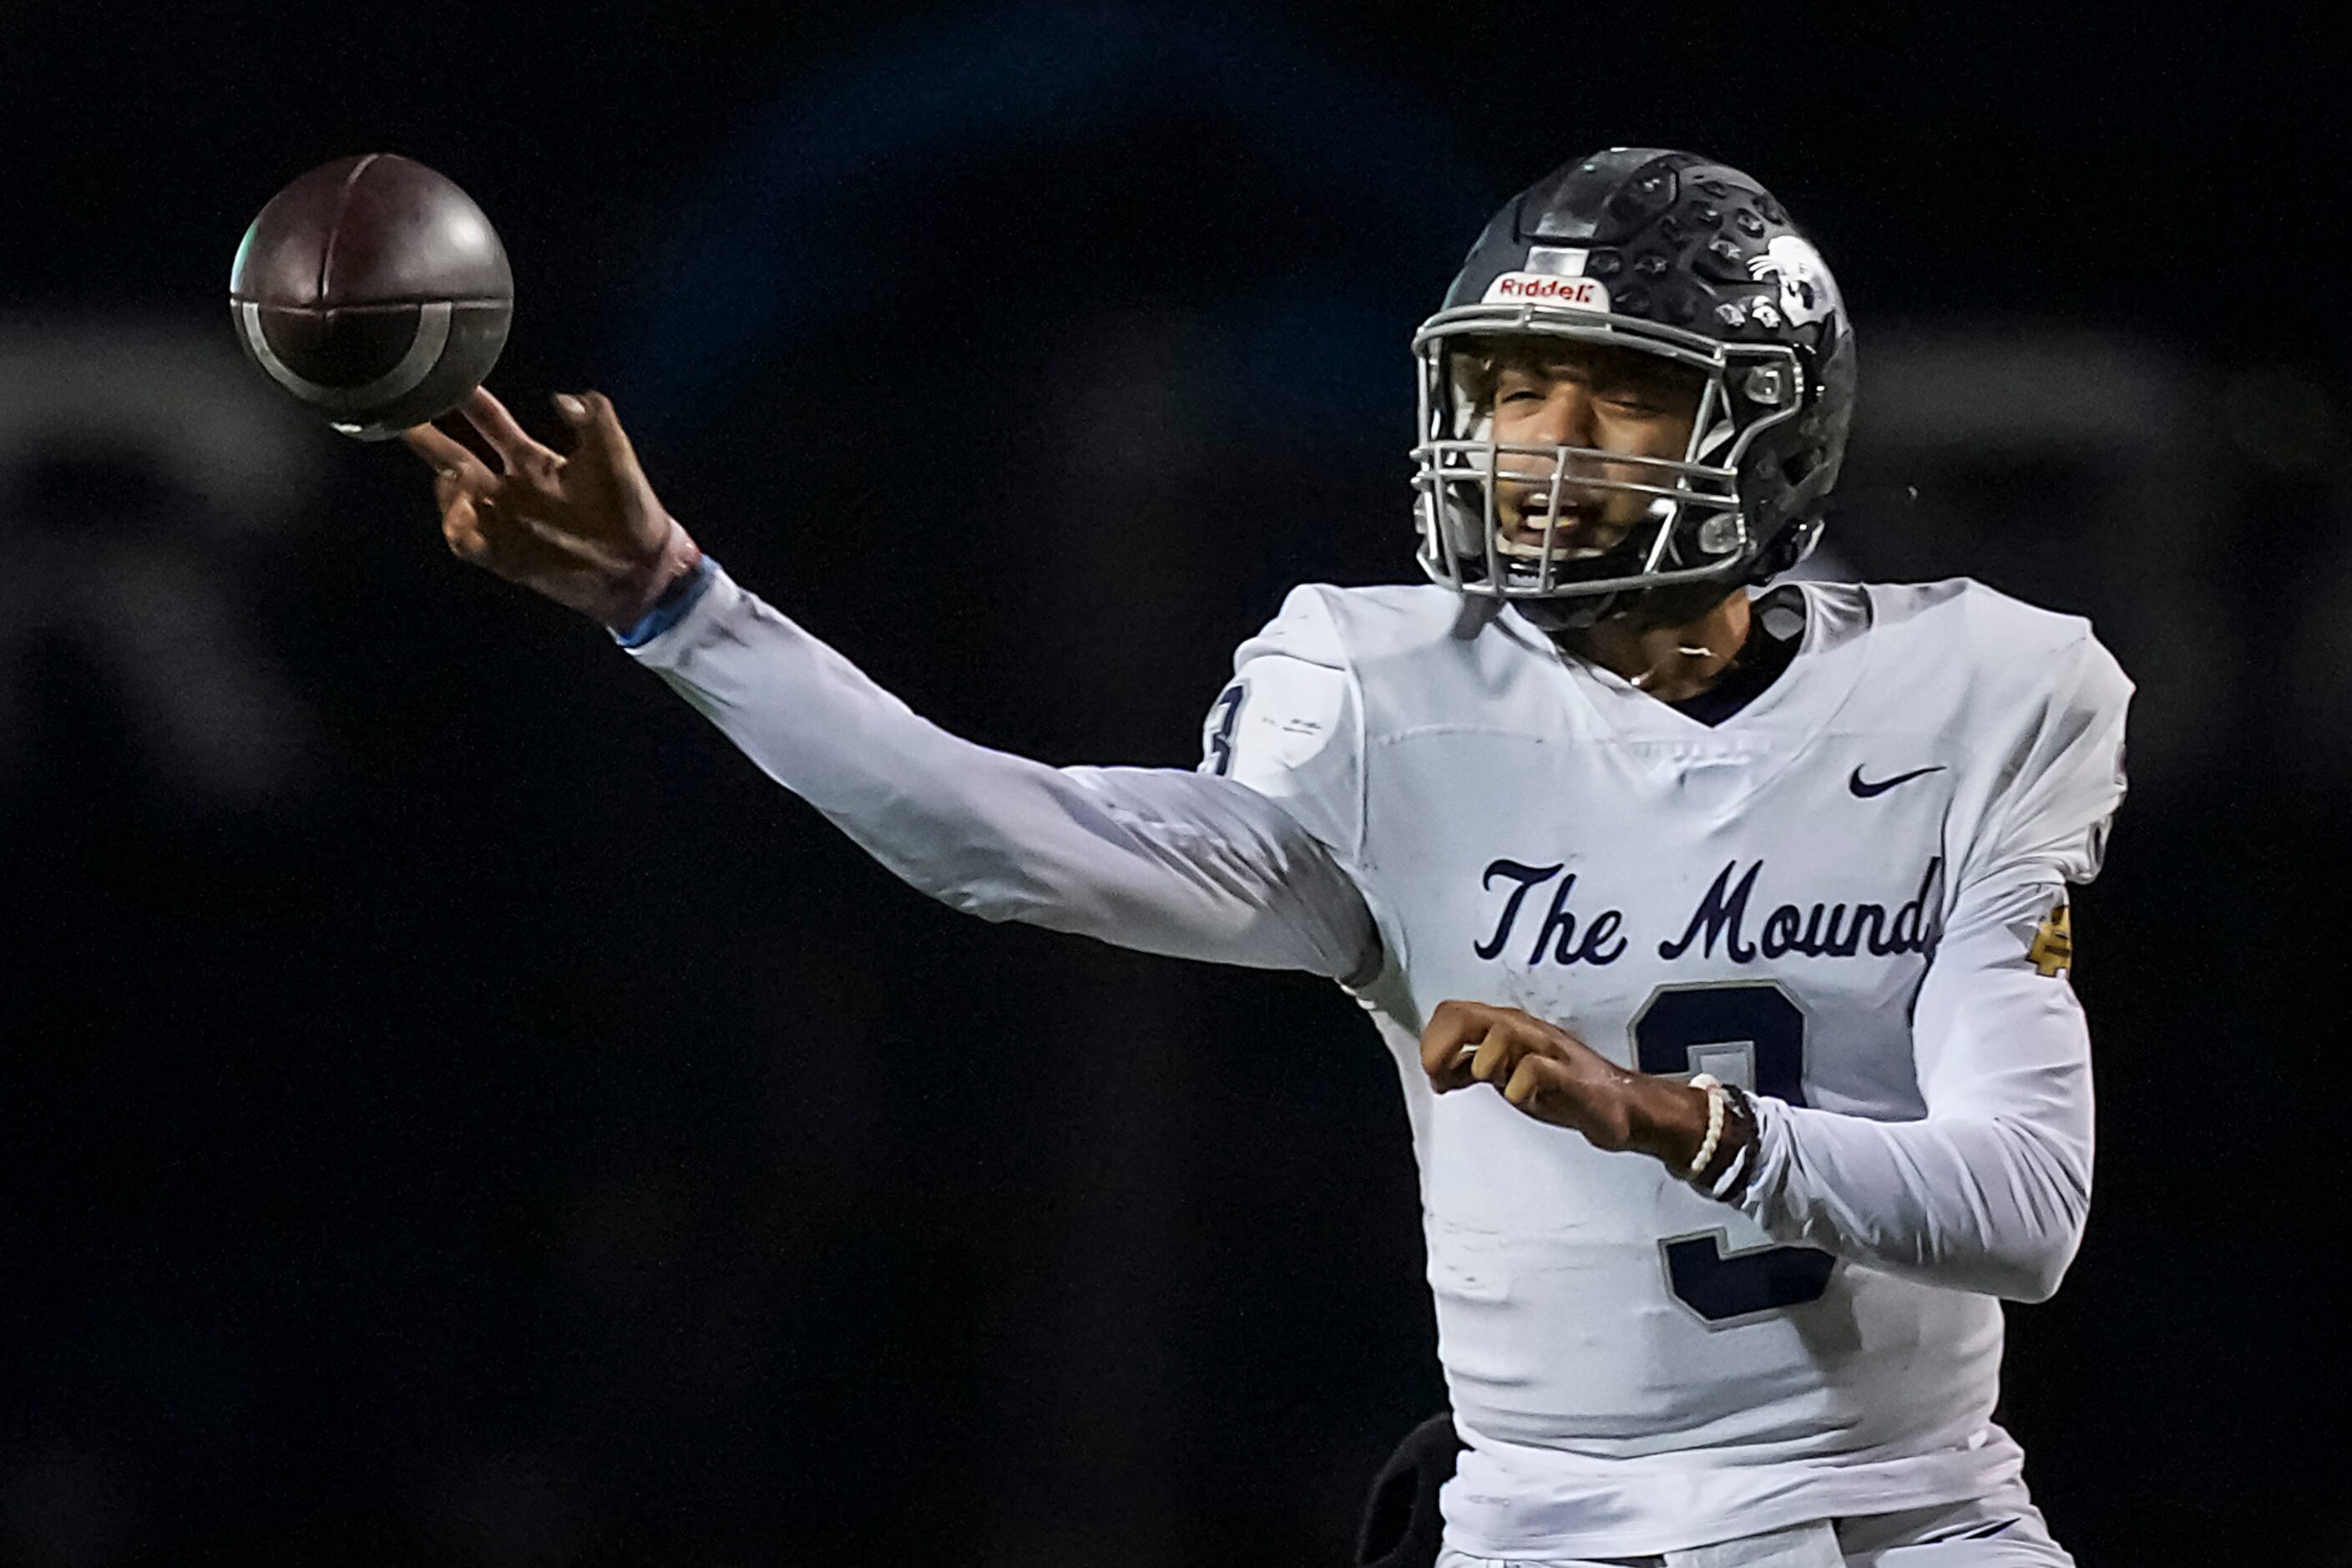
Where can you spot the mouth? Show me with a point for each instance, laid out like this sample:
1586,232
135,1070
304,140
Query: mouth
1573,529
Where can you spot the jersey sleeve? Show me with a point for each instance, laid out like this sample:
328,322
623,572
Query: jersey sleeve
1188,864
1990,1191
1288,727
2064,777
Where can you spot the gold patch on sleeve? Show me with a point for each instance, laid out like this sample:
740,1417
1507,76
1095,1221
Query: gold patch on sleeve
2053,945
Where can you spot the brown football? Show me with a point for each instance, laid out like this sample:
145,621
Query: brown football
375,290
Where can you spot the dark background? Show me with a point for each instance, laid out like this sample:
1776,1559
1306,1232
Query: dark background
456,1111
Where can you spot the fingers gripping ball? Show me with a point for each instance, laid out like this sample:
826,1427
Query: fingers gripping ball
374,289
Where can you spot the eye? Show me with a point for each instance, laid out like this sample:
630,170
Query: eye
1638,406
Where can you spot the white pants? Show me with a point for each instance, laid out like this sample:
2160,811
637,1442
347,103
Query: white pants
2003,1530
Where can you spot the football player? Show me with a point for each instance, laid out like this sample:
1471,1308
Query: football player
1717,927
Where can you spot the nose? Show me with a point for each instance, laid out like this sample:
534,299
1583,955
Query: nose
1563,419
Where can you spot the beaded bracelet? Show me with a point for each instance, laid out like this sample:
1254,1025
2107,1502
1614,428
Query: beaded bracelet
1715,1099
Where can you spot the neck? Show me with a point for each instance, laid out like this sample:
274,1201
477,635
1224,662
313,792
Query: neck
1673,646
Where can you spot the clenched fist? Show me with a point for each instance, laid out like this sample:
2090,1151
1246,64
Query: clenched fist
585,529
1554,1076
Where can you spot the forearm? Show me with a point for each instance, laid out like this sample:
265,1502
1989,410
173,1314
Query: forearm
1990,1189
1995,1207
1988,1192
1155,859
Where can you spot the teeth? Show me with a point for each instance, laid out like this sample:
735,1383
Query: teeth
1525,551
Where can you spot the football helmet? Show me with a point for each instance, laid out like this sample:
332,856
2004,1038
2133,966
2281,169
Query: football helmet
1671,255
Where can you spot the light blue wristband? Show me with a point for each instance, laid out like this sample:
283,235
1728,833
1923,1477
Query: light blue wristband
671,608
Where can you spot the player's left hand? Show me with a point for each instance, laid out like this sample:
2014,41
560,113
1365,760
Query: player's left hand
1554,1076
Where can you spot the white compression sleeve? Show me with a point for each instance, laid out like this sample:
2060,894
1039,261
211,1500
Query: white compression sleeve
1163,861
1990,1191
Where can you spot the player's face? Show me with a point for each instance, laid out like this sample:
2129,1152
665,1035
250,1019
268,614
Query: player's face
1565,393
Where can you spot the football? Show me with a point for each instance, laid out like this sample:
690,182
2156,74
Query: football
374,289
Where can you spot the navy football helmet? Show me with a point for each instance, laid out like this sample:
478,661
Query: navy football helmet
1671,255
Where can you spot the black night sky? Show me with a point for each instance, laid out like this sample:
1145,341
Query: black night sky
455,1110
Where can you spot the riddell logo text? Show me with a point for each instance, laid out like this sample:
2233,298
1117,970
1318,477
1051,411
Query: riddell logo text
1549,288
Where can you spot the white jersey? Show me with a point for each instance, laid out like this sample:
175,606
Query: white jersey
1759,899
1848,896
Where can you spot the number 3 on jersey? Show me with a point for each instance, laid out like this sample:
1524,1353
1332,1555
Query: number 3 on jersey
1217,735
1706,1028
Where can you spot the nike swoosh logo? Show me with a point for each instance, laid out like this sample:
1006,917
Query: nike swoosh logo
1863,788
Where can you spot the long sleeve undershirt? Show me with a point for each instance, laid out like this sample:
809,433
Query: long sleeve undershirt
1986,1194
1989,1193
1159,859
